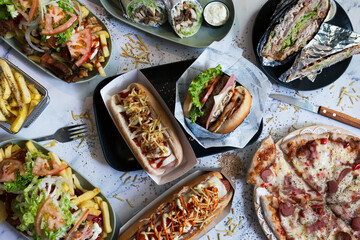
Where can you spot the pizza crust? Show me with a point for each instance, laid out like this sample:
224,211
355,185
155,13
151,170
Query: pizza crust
271,216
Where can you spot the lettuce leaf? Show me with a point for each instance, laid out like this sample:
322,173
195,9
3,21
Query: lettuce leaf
7,9
27,208
197,86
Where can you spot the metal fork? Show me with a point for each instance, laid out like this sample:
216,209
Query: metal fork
65,134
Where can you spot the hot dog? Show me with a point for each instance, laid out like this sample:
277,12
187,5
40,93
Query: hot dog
146,128
185,212
216,101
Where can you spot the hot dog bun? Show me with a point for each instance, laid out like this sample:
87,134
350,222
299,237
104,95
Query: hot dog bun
156,110
144,219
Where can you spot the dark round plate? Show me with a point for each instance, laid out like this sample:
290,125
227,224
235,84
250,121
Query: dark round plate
326,77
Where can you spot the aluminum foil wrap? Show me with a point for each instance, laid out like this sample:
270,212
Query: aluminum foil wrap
247,74
191,23
146,12
330,45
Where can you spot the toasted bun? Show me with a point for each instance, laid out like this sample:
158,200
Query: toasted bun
120,121
143,220
187,105
239,115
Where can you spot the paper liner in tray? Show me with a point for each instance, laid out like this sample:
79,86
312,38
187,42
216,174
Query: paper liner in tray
247,74
178,185
122,82
260,191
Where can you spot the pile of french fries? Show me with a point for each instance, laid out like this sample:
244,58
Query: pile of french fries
87,200
18,98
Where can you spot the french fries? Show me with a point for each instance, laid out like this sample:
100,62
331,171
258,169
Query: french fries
2,154
18,98
106,216
85,12
6,91
86,196
104,44
8,151
20,119
94,211
25,93
3,212
30,147
11,80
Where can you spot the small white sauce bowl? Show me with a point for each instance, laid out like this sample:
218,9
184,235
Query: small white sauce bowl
213,18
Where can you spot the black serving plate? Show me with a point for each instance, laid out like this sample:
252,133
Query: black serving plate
163,78
326,77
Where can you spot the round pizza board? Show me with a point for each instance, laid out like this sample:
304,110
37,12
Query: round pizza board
259,191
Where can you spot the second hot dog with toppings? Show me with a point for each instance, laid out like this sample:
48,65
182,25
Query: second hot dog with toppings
184,213
146,128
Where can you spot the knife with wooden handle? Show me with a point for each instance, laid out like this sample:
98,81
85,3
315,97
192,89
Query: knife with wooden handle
327,112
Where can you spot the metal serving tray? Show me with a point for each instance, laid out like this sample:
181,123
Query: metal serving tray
38,109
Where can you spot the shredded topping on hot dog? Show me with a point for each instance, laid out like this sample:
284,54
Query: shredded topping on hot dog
147,131
187,213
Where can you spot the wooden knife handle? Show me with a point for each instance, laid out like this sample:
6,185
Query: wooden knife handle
338,116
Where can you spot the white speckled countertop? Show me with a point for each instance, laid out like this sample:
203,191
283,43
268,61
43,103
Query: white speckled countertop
88,159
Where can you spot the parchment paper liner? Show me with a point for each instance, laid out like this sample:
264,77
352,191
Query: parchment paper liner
232,62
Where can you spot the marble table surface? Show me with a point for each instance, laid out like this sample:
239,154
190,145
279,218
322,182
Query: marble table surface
89,160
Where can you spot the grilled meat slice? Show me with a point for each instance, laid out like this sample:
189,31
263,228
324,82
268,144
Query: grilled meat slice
57,67
9,25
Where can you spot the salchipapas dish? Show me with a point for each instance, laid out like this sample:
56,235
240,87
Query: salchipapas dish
216,101
184,213
44,199
313,183
147,129
59,35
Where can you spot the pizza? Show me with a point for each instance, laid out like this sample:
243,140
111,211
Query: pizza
313,181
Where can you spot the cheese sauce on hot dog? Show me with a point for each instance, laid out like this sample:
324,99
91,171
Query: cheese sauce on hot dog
146,129
190,211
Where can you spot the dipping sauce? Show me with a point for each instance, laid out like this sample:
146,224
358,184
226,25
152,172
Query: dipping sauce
216,13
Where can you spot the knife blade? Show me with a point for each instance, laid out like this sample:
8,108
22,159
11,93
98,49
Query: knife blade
327,112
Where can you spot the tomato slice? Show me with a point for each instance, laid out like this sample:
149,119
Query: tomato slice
33,9
77,224
53,16
51,215
211,88
45,167
79,46
9,168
